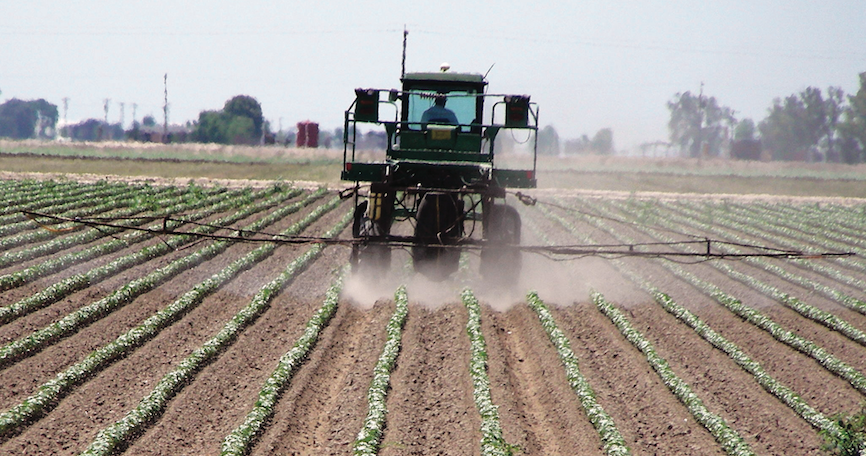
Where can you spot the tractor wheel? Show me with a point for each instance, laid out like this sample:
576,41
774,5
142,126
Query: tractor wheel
370,261
501,258
439,221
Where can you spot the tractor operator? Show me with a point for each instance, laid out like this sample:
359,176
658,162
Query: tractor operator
439,114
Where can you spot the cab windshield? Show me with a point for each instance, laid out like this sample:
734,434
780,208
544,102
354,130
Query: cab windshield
461,103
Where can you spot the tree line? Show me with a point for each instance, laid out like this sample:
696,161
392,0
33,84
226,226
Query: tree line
813,125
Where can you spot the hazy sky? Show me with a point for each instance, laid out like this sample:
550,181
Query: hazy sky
588,64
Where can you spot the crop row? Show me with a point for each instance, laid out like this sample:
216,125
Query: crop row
57,244
74,204
153,405
214,205
752,315
49,393
65,287
782,392
72,322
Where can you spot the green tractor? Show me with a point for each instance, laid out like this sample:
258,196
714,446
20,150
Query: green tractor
438,174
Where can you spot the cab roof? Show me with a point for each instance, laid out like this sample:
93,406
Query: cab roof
445,77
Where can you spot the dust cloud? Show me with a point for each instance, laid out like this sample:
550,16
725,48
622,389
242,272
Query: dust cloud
559,283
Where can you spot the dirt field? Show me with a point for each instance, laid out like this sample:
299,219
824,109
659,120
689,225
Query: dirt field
430,405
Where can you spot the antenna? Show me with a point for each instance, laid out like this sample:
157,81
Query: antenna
403,67
488,70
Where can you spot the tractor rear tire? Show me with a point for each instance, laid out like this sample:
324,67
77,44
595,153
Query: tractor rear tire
439,221
501,258
369,261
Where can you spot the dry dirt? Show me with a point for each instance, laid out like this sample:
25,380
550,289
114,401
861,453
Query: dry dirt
430,404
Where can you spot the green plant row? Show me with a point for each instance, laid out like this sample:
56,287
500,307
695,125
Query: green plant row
241,439
823,230
370,435
804,234
79,206
154,404
730,440
13,191
492,441
811,312
785,394
765,226
50,393
842,220
801,235
43,198
56,244
801,344
768,382
828,292
611,439
71,323
120,202
179,205
59,290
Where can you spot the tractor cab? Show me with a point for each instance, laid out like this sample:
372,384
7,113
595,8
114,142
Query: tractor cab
438,173
441,111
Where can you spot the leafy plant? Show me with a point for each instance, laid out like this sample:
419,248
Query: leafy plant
852,440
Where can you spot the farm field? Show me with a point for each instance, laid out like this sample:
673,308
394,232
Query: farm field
122,341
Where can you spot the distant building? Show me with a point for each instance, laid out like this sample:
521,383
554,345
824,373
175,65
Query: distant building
156,134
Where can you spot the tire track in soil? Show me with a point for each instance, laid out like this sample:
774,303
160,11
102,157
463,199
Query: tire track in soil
649,417
538,409
430,407
324,407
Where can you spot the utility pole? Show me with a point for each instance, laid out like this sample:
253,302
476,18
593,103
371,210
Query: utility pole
122,112
105,104
701,116
65,109
165,112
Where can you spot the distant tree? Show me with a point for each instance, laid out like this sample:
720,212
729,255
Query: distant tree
796,126
86,130
852,130
246,106
548,141
602,142
745,144
241,130
745,130
698,123
582,145
148,121
211,128
835,108
21,119
239,122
